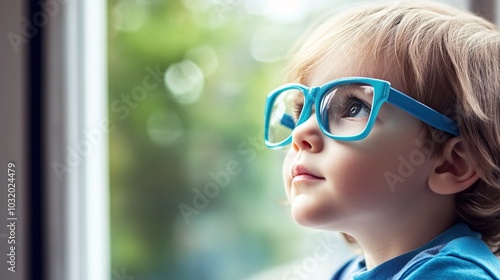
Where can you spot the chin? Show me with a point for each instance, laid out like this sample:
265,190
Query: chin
306,212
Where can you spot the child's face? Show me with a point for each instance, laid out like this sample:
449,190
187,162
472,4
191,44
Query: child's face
347,185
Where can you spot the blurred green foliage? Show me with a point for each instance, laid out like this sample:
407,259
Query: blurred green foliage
204,112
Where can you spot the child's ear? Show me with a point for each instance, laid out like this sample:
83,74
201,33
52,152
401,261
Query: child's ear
453,171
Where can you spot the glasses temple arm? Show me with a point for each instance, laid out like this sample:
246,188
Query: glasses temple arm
287,121
422,112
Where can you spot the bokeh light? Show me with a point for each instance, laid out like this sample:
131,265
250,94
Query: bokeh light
185,81
164,128
129,15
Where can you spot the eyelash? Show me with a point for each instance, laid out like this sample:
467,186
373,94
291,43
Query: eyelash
352,98
298,106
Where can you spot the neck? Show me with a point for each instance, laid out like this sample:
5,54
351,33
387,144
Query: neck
382,240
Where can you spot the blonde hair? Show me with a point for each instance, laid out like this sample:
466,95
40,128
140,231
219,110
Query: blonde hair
446,58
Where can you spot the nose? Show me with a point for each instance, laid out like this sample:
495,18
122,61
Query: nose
308,136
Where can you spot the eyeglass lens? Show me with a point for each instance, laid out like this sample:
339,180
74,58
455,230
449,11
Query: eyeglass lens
343,111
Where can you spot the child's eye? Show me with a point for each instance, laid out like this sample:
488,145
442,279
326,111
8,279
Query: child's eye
355,108
352,101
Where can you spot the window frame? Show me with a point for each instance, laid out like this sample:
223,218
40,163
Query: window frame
76,162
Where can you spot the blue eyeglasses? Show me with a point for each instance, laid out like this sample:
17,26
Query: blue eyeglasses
346,109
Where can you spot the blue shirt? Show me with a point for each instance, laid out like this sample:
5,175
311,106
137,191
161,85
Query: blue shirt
458,253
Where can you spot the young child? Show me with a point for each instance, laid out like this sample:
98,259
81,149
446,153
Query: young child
393,135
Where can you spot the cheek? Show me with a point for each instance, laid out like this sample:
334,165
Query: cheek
357,176
396,164
369,174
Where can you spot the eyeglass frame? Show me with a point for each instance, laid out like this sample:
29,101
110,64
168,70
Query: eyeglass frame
382,92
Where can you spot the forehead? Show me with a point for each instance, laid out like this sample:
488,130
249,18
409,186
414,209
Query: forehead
341,64
336,65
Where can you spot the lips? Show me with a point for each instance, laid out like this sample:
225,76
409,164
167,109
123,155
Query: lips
300,172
